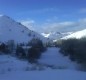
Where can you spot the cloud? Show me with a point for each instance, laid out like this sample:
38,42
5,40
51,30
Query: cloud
64,26
52,19
50,26
28,23
83,10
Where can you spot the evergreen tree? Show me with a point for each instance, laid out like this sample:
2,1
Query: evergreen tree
4,48
20,52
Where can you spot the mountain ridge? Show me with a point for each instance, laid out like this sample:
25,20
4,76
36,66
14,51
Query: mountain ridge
12,30
77,34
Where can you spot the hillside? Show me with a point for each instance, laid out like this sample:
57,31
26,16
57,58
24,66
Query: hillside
77,35
12,30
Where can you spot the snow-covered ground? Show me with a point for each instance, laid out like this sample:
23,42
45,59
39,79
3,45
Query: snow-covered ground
54,57
44,75
55,67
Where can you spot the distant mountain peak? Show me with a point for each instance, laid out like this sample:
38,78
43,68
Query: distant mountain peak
55,35
3,16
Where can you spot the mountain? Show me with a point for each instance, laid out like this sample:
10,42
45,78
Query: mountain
12,30
77,35
55,35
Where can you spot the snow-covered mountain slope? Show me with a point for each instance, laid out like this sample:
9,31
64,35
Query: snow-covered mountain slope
56,35
12,30
77,35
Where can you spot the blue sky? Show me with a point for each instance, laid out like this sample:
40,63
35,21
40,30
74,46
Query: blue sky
41,12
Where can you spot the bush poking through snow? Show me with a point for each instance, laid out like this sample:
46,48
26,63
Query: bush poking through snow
75,49
35,51
4,48
33,54
20,52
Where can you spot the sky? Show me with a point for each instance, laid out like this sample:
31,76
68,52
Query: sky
46,14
